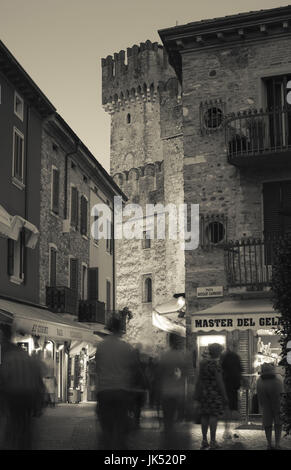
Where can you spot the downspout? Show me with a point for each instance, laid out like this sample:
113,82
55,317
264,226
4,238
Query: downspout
26,162
66,177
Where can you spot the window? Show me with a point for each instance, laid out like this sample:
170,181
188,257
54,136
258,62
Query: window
146,243
74,274
93,284
148,289
212,229
84,215
18,156
74,206
55,190
53,266
128,118
16,258
211,116
109,238
95,226
18,106
108,296
84,286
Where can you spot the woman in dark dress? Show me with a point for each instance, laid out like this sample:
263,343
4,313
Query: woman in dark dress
211,395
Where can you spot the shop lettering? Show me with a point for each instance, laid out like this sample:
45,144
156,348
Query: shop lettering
237,322
39,329
271,321
214,323
60,332
245,322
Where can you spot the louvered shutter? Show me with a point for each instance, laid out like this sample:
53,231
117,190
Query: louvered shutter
93,281
272,208
84,209
286,206
53,267
108,296
74,206
10,257
74,274
55,189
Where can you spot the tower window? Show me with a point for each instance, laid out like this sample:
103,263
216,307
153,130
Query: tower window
213,118
128,118
148,290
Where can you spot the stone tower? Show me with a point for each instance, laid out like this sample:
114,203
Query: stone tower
141,93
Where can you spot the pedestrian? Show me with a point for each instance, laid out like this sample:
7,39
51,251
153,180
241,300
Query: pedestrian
171,377
21,393
210,395
232,375
269,389
116,369
139,386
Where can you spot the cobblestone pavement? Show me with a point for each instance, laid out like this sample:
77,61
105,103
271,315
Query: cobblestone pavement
74,427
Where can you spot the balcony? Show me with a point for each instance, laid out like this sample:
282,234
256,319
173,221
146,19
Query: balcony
248,263
255,138
61,299
92,311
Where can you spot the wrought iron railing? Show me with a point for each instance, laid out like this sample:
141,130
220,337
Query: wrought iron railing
92,311
61,299
256,132
248,262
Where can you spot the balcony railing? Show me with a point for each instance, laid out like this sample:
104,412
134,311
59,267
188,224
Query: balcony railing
248,263
92,311
256,136
62,299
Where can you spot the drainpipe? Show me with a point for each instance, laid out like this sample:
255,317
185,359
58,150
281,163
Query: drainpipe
66,177
26,162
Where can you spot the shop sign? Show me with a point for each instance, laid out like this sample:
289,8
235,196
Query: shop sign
39,329
235,322
214,291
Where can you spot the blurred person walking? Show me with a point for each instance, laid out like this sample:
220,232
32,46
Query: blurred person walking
21,393
210,395
116,370
232,376
171,385
269,389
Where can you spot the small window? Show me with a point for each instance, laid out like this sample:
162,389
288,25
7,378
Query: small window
128,118
74,274
55,190
53,266
109,237
74,207
213,118
18,106
215,232
84,289
84,215
148,290
146,243
213,229
18,156
15,258
108,296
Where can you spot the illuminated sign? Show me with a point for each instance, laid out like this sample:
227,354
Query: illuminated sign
235,322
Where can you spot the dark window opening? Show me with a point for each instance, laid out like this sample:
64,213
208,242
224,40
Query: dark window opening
213,118
215,232
148,290
128,118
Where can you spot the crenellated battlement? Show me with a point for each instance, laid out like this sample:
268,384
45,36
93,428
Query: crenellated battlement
136,76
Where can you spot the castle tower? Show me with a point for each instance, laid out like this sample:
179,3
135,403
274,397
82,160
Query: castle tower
142,95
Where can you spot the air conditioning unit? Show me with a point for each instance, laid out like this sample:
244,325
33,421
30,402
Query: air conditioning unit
66,225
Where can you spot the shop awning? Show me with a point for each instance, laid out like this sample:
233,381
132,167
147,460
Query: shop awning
236,315
41,322
10,227
165,317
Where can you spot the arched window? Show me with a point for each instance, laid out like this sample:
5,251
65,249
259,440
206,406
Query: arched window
148,289
128,118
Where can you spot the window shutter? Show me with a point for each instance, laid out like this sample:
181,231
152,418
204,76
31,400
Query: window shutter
272,207
74,206
84,209
22,254
55,189
10,257
74,274
53,267
93,281
108,296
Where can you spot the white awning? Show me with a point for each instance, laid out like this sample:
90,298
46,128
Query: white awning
165,317
236,315
42,322
10,227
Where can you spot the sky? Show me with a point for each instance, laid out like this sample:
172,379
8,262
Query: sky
60,44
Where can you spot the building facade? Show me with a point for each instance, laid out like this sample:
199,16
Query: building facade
143,97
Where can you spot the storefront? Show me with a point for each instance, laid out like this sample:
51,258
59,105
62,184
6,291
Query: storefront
49,336
246,326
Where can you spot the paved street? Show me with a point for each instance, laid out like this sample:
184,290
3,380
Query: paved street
74,427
